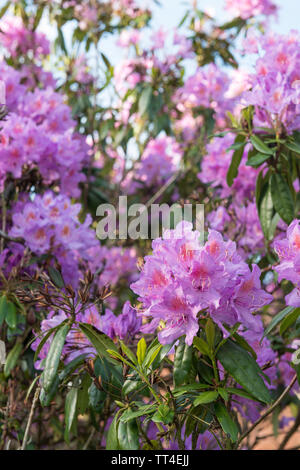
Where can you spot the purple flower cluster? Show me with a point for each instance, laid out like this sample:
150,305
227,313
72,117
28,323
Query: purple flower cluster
215,165
206,88
288,251
39,132
49,224
19,40
182,280
160,159
275,89
248,8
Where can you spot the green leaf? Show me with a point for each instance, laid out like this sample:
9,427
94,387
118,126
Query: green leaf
3,308
235,161
228,425
70,411
128,415
141,351
240,393
282,198
259,145
289,320
244,369
44,340
206,397
163,415
128,352
201,345
99,340
83,394
56,277
244,344
152,354
210,333
257,159
38,17
112,442
277,319
145,100
189,388
293,146
182,363
12,358
128,435
52,360
10,312
266,211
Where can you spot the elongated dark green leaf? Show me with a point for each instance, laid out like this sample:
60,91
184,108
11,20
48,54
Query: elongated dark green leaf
240,393
182,363
266,211
10,312
293,146
127,351
12,358
112,442
210,333
277,319
201,345
99,340
189,388
44,340
38,17
289,320
206,397
53,357
282,198
47,397
244,369
244,344
56,277
70,410
228,425
128,435
259,145
143,410
235,161
3,308
257,159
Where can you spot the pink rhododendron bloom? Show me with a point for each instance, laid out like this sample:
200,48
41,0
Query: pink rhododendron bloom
182,278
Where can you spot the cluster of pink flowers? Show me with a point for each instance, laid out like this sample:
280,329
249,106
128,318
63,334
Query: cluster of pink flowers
19,40
112,263
215,165
242,225
288,251
182,278
124,326
248,8
49,224
39,132
275,89
206,88
160,159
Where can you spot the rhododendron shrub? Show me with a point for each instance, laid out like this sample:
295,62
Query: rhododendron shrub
187,341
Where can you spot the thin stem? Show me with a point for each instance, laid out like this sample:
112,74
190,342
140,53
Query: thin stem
35,398
290,432
269,410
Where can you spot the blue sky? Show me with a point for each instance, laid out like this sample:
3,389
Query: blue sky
169,14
